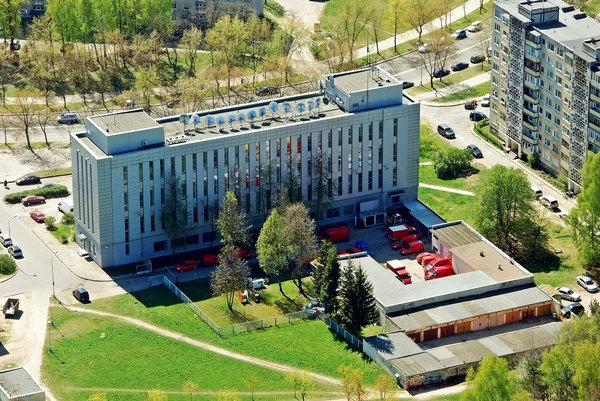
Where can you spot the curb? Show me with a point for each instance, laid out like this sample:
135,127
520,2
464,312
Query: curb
9,277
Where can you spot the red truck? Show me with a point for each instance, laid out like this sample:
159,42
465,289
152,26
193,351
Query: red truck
439,272
336,234
397,232
400,270
399,243
412,248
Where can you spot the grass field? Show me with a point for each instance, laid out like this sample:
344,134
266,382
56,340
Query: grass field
453,79
449,205
431,142
63,231
469,93
427,176
314,347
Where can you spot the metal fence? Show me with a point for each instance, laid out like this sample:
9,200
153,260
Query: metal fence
349,338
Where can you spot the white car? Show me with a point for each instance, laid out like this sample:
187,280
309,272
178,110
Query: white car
424,48
587,283
475,27
485,102
568,294
563,215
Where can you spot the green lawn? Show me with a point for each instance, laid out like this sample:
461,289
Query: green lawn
52,172
306,345
97,352
449,205
63,231
592,8
453,79
427,176
274,8
469,93
431,142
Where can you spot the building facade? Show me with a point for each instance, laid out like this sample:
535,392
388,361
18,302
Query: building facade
546,83
205,11
358,137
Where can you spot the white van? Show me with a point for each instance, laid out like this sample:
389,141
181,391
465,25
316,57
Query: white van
549,202
66,206
537,192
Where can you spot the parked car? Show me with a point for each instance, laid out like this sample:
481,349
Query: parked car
400,231
439,272
399,243
445,131
587,283
563,215
266,91
476,116
15,251
186,265
445,261
549,202
404,276
412,248
245,254
32,200
538,193
37,215
440,72
209,259
336,234
471,104
173,102
475,26
81,295
475,151
407,84
460,34
485,102
65,206
568,294
49,185
5,240
67,118
28,180
364,247
424,48
574,308
461,65
424,255
477,58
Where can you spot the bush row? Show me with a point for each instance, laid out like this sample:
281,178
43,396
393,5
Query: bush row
482,129
59,191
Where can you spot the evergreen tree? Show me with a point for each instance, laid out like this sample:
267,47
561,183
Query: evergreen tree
365,300
327,276
357,303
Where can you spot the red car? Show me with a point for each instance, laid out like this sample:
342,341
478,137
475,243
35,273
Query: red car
412,248
32,200
245,254
38,215
447,260
404,276
209,259
186,265
428,259
399,243
423,255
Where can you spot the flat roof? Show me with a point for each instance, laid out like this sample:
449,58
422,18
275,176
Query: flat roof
18,383
469,308
393,345
492,262
424,214
455,234
355,81
123,122
462,352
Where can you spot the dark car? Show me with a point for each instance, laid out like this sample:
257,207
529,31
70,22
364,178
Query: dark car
171,103
477,116
461,65
440,72
67,118
364,247
574,308
445,131
478,58
28,180
471,104
460,34
475,151
81,295
266,91
407,84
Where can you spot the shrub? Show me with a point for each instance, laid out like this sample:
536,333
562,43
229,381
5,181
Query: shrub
58,191
64,238
7,265
68,218
482,128
533,160
50,223
451,163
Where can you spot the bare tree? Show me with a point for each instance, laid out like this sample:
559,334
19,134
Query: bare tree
300,231
436,56
418,13
394,14
44,117
191,41
231,274
376,20
352,21
290,27
24,110
485,43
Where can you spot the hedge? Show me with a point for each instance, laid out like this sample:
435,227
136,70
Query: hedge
59,191
7,265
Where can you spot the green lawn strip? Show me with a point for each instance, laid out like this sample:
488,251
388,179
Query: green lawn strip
427,176
449,205
274,8
52,172
469,93
455,78
431,142
81,395
306,345
62,232
592,8
482,129
98,352
563,269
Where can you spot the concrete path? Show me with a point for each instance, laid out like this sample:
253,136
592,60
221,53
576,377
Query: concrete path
446,189
476,80
206,346
425,163
455,14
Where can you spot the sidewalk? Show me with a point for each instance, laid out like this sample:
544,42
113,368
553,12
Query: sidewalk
476,80
446,189
456,14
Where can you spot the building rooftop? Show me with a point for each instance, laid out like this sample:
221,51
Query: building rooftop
123,122
455,234
481,256
18,383
354,81
469,308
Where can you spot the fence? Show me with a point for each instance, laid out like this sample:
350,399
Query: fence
349,338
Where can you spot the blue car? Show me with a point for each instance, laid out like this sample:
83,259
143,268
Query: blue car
363,246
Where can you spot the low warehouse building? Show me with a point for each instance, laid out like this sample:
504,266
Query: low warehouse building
17,385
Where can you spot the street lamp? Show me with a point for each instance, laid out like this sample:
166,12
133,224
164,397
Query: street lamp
52,269
9,224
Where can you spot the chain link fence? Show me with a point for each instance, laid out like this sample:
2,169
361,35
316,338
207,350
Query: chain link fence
333,325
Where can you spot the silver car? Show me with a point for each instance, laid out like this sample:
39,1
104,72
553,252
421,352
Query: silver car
587,283
568,294
15,251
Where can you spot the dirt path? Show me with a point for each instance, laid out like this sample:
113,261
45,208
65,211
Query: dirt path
206,346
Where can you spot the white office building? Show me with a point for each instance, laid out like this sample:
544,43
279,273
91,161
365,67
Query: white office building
361,131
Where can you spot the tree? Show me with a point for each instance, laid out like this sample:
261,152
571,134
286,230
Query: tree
64,16
228,395
7,265
146,79
193,94
175,222
485,37
558,371
45,117
10,19
190,387
435,58
531,377
580,4
24,109
352,21
491,382
352,382
394,14
300,232
97,397
231,222
290,39
418,13
272,247
584,219
323,188
450,163
357,303
251,384
9,68
191,41
306,384
384,384
231,274
504,213
156,395
327,276
587,371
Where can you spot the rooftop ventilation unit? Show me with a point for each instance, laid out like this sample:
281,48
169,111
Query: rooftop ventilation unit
176,139
581,15
568,9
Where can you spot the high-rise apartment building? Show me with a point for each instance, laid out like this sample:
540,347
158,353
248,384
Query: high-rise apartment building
357,139
546,83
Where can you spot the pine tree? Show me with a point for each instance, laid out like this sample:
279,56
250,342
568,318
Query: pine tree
357,303
367,308
327,276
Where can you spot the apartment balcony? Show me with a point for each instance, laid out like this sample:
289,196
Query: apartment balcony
533,44
530,97
531,113
532,72
594,126
595,98
536,58
595,112
529,139
564,164
530,125
535,86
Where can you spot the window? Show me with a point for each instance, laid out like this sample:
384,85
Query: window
209,236
160,246
496,27
547,142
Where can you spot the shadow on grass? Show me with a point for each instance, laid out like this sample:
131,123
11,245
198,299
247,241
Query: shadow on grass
549,263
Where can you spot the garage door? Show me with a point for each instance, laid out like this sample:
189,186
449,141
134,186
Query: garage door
446,331
416,337
496,320
513,317
463,327
544,310
480,323
430,334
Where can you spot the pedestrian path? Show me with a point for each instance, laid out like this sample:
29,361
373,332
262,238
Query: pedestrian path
449,90
446,189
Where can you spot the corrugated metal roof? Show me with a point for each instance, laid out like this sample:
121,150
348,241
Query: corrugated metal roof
416,364
393,345
455,234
